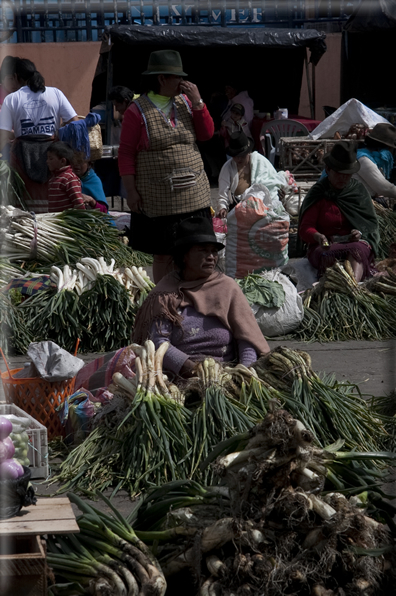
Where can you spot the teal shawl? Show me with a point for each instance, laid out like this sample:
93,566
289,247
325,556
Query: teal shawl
355,204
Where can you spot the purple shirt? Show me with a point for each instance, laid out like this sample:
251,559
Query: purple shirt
198,337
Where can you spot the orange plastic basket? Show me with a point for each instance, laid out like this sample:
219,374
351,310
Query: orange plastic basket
38,397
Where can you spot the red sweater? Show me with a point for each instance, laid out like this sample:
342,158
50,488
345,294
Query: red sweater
323,217
64,191
134,135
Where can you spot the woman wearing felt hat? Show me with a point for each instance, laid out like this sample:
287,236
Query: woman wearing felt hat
246,167
159,160
198,309
337,218
376,161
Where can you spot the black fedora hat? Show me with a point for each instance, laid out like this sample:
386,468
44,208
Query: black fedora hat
342,158
239,144
165,62
195,230
384,133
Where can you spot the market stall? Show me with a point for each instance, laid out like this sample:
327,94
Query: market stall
209,57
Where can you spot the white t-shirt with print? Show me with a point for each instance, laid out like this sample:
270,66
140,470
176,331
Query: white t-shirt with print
29,113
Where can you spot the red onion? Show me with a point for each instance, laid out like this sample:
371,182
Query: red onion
5,427
7,449
10,468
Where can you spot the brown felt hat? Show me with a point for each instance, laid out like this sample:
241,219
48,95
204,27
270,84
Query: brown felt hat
384,133
165,62
342,158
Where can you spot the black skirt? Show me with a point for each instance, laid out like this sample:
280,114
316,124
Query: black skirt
154,235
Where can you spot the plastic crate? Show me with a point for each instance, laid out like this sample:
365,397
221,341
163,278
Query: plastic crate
38,441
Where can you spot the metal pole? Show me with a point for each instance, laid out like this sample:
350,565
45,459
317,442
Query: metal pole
109,104
309,85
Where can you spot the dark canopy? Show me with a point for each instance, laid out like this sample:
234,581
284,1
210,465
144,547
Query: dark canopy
369,43
206,36
266,62
372,15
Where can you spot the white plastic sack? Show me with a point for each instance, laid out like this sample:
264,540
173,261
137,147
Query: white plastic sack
283,320
351,112
257,235
52,362
293,203
221,237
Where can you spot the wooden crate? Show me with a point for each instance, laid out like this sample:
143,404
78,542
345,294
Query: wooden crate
22,566
303,157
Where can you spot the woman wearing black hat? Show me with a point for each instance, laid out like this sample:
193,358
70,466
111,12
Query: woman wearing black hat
376,161
246,167
337,218
198,309
158,158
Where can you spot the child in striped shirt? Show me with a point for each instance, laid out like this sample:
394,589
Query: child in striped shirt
64,187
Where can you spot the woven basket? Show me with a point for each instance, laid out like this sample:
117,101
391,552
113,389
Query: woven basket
39,398
95,141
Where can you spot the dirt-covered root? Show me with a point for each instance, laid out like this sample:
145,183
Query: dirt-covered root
279,429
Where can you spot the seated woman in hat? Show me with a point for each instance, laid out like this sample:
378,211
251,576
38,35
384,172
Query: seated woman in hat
198,309
337,217
244,169
159,161
376,161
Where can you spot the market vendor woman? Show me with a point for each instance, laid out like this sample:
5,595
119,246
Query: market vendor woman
337,219
198,309
159,161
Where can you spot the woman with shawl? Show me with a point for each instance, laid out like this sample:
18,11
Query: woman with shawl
337,218
198,309
376,162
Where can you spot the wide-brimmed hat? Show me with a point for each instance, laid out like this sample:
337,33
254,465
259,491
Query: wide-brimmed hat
342,158
195,230
165,62
239,144
384,133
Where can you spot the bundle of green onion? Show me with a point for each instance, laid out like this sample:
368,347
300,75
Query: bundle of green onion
15,334
387,229
338,309
106,557
66,237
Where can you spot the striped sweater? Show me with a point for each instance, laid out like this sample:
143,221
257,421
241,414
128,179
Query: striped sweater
64,191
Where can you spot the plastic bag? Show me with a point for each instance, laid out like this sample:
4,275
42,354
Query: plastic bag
52,362
76,413
258,234
16,494
283,320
